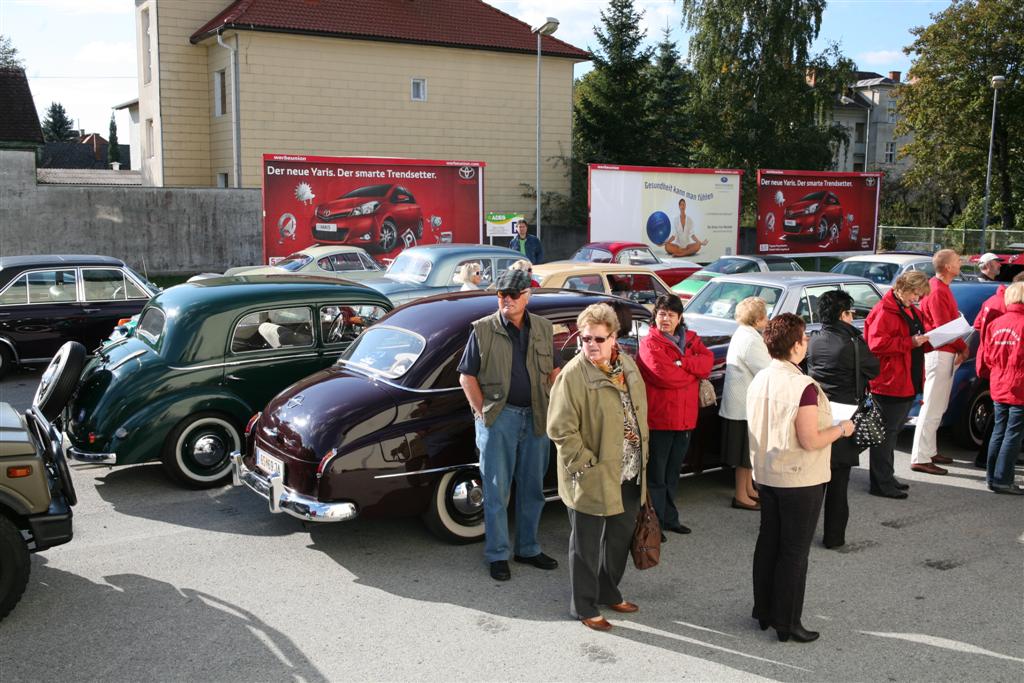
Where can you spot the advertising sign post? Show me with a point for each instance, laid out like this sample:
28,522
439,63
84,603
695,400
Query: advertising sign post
382,205
691,213
817,213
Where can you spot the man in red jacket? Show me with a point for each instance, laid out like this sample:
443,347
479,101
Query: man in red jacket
938,308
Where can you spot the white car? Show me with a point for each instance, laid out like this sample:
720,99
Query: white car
883,269
337,261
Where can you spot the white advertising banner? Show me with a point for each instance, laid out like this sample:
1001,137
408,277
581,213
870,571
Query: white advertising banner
686,212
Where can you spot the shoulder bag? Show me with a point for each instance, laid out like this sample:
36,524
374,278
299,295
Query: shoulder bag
646,544
706,393
869,425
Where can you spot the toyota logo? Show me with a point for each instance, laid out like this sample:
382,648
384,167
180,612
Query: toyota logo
467,172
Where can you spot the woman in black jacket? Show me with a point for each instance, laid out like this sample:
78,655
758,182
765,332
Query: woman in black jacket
832,361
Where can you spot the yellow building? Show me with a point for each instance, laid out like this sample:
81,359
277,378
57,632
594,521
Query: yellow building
219,86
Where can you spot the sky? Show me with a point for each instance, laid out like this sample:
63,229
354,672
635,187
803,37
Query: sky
81,53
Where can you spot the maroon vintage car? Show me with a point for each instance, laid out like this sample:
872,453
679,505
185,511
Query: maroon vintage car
372,217
671,270
387,430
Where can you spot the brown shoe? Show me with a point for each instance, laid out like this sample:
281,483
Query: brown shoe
597,623
928,468
743,506
625,607
942,460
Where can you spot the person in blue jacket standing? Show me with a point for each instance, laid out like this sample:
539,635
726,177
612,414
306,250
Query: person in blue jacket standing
527,245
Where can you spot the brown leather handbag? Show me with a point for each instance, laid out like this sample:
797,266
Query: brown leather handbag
646,545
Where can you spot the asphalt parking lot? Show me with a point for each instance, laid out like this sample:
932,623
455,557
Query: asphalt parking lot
163,583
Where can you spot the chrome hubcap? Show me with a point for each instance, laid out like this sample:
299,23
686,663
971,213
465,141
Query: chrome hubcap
208,450
468,497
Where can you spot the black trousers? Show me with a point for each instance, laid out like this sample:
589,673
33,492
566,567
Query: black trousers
598,551
789,517
894,412
668,450
837,509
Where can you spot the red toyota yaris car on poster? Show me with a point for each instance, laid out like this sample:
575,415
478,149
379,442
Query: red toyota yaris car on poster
373,217
816,215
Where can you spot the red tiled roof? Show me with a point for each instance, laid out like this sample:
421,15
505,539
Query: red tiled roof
451,23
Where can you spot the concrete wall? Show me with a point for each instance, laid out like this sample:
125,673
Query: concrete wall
181,230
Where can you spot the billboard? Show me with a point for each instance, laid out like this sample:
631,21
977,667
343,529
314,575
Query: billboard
382,205
817,212
693,213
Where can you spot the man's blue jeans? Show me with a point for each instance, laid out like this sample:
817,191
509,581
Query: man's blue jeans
1004,446
510,450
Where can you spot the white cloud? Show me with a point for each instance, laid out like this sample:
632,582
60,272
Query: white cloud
881,58
80,7
102,53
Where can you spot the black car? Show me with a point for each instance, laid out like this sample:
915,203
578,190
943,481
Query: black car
48,300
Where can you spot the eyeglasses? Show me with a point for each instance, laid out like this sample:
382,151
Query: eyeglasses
586,339
510,294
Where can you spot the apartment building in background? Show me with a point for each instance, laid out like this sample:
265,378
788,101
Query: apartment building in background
868,111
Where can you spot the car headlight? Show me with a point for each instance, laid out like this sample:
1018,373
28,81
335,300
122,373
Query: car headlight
364,209
811,209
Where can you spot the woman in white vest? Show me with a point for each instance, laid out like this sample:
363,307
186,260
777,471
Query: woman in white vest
746,357
791,434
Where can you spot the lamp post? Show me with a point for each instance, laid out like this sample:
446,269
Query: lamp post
997,83
545,29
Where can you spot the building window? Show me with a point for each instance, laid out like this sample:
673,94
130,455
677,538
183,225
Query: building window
222,180
890,152
419,90
150,139
858,167
891,110
220,92
858,135
147,57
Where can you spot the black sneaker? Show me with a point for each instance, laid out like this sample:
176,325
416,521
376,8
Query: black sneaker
540,561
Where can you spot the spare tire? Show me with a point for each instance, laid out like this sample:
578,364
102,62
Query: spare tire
59,380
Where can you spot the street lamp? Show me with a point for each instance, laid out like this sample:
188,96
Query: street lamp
997,84
545,29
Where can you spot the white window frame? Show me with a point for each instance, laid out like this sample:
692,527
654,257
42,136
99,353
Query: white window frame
150,139
890,152
422,82
147,46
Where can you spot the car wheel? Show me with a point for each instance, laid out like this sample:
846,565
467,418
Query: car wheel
59,380
822,230
6,360
197,452
14,566
456,511
388,235
974,420
419,229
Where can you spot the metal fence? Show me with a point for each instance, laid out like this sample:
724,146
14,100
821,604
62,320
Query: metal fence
932,239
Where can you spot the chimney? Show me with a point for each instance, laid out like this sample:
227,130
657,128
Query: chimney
895,76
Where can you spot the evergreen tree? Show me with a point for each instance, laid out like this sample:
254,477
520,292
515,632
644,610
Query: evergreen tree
57,127
671,129
113,149
9,53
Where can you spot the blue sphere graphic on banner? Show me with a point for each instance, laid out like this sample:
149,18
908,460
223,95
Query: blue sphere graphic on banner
659,227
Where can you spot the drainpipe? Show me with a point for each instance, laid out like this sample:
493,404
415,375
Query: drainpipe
867,139
236,130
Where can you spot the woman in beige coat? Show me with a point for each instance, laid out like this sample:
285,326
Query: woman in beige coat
597,418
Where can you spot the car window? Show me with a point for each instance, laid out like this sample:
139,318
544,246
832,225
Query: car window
864,298
368,263
295,262
731,266
411,267
277,328
486,270
637,257
876,271
808,306
50,286
387,351
505,263
639,287
346,261
16,292
103,284
780,266
151,324
325,264
133,290
585,283
926,267
342,323
592,255
718,299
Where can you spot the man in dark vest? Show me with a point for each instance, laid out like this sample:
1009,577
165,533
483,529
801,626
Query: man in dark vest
506,372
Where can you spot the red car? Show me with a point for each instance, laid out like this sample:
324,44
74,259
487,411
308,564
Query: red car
373,216
670,270
817,215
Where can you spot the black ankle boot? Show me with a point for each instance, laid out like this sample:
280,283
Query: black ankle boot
799,634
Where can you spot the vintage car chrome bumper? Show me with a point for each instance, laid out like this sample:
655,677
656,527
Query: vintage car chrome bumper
94,458
284,499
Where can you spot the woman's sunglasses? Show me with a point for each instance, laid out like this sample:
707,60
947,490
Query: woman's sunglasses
586,339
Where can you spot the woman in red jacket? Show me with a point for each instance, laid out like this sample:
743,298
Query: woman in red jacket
672,362
895,334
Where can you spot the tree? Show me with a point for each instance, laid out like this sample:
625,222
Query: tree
9,53
57,127
946,106
763,100
113,149
671,130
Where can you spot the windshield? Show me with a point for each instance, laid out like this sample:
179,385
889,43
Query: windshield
382,350
718,299
153,289
410,267
813,195
593,255
731,266
876,271
294,262
368,191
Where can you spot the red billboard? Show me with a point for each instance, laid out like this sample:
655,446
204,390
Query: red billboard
382,205
817,212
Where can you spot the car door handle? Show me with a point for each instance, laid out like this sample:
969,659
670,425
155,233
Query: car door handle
236,378
92,310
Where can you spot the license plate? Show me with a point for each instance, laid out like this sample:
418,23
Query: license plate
269,463
789,223
327,227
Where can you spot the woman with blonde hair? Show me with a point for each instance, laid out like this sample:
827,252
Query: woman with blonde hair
747,356
527,267
597,418
469,275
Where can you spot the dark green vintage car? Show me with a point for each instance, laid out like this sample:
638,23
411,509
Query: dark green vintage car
205,357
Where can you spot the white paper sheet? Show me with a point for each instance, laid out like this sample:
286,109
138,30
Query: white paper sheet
842,411
955,329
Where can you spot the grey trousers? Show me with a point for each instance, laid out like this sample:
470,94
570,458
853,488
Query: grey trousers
598,551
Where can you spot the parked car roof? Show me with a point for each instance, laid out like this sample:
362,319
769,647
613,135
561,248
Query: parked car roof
790,278
900,258
456,248
34,260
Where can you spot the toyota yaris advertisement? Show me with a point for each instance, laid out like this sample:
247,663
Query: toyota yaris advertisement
816,213
381,205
